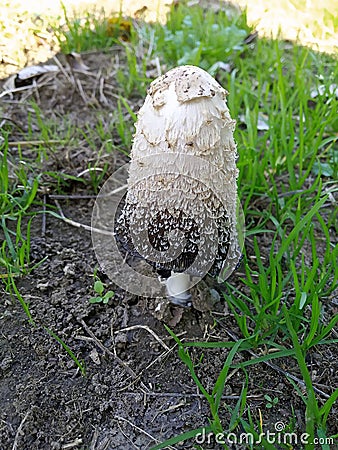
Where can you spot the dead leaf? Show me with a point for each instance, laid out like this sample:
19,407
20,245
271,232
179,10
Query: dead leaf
26,76
119,28
94,356
219,65
139,14
76,62
250,38
321,90
262,121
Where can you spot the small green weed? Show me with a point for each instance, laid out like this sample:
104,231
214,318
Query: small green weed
102,297
195,36
270,402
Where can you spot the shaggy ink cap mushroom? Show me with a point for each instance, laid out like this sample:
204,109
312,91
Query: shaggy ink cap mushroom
181,203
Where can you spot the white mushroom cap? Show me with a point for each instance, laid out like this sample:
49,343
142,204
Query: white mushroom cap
185,111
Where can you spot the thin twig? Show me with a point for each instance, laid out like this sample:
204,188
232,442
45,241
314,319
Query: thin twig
19,430
70,221
12,91
90,169
81,225
161,356
190,395
119,360
4,119
73,444
43,226
145,327
94,440
36,90
70,197
127,438
81,91
160,412
119,418
62,69
103,98
36,142
31,89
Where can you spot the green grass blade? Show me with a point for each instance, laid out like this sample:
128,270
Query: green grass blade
275,355
24,305
183,437
326,408
185,357
312,410
298,227
218,389
68,350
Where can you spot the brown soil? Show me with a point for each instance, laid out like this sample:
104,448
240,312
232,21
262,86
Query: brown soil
136,391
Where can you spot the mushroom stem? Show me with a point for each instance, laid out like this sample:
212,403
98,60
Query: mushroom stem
178,289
